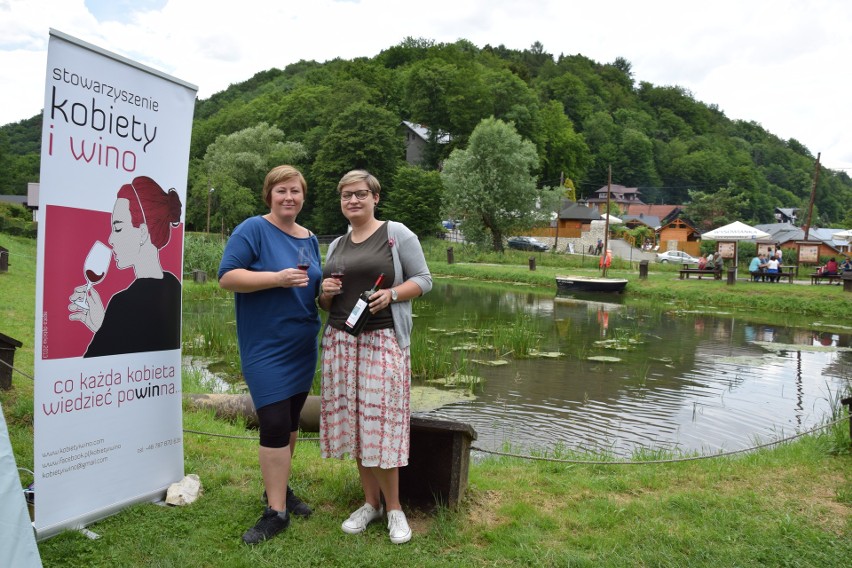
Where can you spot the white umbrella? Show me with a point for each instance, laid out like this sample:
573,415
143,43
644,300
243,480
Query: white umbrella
735,231
613,220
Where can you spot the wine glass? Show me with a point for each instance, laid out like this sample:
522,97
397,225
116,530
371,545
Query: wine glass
338,268
94,269
304,260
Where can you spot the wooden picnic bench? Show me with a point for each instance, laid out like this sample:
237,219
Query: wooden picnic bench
816,278
788,275
764,276
685,272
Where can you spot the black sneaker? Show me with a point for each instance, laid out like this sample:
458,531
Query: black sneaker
268,525
295,505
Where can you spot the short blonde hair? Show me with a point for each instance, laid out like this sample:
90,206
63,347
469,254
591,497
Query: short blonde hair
354,176
278,174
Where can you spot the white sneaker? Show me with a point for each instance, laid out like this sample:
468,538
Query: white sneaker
400,532
358,521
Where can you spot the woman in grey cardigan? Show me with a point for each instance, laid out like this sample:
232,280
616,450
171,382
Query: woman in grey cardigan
366,378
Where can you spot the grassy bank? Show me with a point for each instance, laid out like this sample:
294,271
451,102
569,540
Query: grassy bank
823,303
785,506
828,304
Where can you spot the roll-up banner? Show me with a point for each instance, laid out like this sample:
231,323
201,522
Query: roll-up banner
114,163
17,543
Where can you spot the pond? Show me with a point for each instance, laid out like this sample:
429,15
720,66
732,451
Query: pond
628,378
539,373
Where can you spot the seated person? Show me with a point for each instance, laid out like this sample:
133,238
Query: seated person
702,262
757,268
846,265
830,268
718,263
772,267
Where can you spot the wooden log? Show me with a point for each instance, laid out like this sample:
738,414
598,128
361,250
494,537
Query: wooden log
240,406
438,460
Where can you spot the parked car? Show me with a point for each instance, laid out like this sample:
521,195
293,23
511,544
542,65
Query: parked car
451,224
676,256
527,243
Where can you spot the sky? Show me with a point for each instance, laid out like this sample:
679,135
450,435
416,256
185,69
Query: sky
783,64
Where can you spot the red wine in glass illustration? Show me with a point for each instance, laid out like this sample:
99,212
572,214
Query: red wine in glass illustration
94,269
304,260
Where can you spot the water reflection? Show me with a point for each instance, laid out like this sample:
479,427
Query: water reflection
697,380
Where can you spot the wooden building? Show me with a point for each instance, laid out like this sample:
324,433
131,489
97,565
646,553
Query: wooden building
679,235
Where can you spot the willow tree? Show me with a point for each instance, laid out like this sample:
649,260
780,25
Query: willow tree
491,184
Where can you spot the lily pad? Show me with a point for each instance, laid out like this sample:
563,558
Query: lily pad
604,359
456,380
494,363
471,347
617,344
545,354
425,398
743,360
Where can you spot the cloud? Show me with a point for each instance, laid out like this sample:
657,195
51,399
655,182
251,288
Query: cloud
779,63
121,10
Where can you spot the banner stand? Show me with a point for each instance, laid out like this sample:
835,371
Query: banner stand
108,415
17,539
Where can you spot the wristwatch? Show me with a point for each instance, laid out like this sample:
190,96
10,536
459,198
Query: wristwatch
394,295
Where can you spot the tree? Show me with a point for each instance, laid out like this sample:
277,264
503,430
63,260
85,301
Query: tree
640,234
234,167
658,138
569,190
562,151
635,159
710,210
415,200
362,137
491,183
508,98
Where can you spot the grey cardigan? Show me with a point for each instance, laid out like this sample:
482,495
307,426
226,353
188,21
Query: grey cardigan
408,264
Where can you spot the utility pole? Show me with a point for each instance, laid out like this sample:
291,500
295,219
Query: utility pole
209,193
813,195
558,207
606,225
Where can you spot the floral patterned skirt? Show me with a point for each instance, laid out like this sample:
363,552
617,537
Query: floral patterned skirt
366,393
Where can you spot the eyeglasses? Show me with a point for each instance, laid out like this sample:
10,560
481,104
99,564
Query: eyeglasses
360,195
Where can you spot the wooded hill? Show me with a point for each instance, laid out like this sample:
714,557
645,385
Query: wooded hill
582,116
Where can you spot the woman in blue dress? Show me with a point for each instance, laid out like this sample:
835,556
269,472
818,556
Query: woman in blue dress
277,326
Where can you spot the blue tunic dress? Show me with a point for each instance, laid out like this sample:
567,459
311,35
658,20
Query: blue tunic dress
276,328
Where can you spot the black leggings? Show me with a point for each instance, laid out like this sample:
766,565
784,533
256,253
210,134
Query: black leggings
279,419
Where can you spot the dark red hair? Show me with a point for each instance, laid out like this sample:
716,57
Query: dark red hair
151,205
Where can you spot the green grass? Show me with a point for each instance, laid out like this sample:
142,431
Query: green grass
786,506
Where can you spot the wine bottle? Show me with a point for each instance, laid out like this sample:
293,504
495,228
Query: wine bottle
361,312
